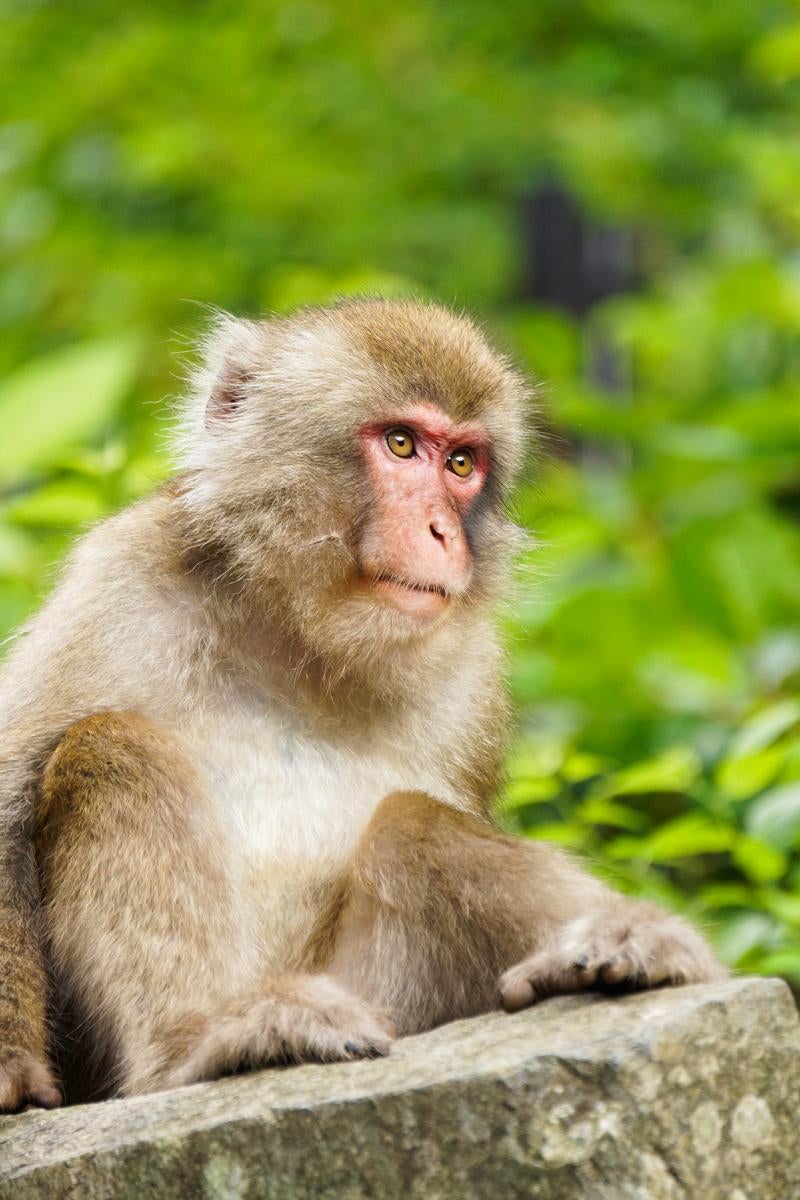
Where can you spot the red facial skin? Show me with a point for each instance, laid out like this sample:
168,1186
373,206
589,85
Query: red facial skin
415,555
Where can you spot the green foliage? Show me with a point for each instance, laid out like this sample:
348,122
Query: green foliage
267,154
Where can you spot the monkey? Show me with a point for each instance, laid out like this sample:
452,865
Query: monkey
252,742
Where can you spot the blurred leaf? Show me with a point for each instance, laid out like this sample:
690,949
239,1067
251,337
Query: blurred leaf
782,904
18,553
579,765
777,56
743,934
780,962
727,895
765,726
520,792
685,836
758,860
565,834
60,400
743,776
674,771
605,812
64,502
775,816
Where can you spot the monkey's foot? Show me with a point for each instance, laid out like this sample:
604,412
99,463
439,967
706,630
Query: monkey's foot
303,1018
24,1080
331,1025
638,947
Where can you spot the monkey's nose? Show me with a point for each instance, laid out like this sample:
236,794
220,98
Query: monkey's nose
445,529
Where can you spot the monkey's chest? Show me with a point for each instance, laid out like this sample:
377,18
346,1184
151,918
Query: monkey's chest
290,810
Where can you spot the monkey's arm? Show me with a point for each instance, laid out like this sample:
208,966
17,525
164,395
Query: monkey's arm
448,917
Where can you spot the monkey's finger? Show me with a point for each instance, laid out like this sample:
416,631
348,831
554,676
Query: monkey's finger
617,970
584,971
662,972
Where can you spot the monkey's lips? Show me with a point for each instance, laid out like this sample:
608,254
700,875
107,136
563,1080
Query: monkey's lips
410,596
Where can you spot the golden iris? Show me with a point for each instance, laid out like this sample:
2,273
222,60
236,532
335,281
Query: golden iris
461,462
400,442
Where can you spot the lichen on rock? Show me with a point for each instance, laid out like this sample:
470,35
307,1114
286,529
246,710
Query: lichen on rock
686,1094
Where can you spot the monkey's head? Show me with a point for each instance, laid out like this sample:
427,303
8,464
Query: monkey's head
350,465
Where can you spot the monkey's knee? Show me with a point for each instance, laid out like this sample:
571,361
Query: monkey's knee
411,833
417,937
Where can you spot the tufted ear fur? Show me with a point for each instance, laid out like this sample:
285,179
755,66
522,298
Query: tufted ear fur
231,355
227,392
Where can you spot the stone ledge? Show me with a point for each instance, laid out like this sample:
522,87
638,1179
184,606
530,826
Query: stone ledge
682,1094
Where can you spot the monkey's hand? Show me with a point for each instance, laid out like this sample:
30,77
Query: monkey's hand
633,946
24,1080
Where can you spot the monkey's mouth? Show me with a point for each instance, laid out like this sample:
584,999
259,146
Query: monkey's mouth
411,585
410,596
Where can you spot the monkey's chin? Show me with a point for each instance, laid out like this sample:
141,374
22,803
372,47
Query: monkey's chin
420,604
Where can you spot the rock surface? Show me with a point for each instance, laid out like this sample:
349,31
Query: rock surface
684,1094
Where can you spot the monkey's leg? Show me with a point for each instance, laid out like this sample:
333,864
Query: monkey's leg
448,917
143,927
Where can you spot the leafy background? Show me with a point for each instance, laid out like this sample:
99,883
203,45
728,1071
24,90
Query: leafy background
259,155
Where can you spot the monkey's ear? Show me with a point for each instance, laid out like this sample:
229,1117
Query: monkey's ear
228,390
232,353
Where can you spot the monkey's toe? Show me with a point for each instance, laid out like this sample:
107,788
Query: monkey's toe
618,971
366,1049
516,992
24,1082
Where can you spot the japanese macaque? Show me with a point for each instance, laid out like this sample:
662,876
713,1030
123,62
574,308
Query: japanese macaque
251,743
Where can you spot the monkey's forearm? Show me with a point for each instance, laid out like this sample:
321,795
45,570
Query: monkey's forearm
25,1076
23,986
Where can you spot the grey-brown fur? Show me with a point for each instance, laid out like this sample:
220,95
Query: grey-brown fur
258,801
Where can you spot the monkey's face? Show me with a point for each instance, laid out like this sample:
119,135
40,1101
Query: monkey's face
350,465
426,473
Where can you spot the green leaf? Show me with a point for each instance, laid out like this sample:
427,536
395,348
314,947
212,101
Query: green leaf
682,838
565,833
674,771
61,504
785,905
521,792
758,860
775,816
745,933
597,811
56,402
765,727
780,962
726,895
18,552
580,765
750,773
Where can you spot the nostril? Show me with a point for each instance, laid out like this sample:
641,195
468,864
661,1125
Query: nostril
437,534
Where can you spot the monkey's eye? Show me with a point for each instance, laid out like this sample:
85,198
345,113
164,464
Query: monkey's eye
400,442
461,462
